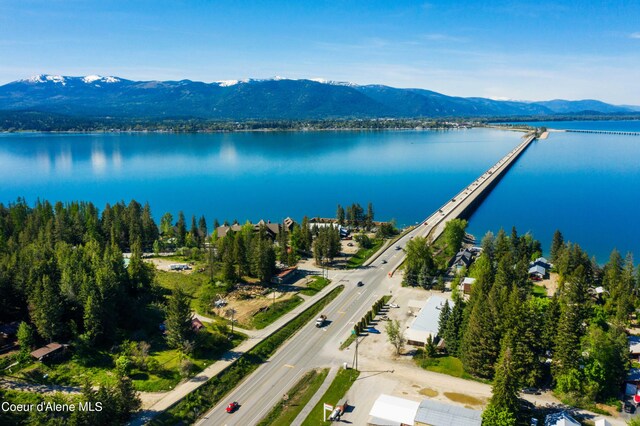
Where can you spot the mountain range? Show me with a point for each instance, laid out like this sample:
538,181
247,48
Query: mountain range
274,99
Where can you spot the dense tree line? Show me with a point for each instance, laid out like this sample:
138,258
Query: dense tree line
354,216
13,121
62,268
504,334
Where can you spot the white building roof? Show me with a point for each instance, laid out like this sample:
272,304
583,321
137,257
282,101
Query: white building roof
426,322
602,422
468,280
634,344
561,418
391,410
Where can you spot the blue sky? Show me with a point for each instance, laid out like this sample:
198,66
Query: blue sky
533,50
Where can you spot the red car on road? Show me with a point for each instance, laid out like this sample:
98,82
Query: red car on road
233,406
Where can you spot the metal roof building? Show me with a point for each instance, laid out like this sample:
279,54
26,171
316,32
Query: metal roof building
426,322
434,413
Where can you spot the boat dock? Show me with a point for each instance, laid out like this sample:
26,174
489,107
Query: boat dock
463,203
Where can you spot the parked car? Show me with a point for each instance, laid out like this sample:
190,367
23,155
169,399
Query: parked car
360,284
350,244
233,406
629,408
394,305
373,330
531,391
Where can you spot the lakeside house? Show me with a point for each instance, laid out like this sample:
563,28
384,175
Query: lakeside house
462,259
537,272
272,229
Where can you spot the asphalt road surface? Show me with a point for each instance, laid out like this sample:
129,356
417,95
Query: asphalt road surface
312,347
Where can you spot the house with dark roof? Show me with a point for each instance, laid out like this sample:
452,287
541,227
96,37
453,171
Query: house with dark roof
49,351
286,276
462,259
196,325
272,229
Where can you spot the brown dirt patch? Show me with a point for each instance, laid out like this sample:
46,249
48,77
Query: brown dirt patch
246,308
464,399
431,393
551,284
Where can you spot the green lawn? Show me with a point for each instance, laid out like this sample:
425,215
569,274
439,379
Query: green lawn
98,365
337,390
275,311
316,284
538,291
363,254
442,364
284,412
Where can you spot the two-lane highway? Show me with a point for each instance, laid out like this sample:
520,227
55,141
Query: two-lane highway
311,347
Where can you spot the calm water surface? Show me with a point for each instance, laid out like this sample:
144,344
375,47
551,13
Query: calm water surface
587,185
254,175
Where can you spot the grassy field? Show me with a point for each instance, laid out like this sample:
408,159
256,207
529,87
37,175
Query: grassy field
538,291
316,284
284,412
337,390
206,396
275,311
442,364
163,363
363,254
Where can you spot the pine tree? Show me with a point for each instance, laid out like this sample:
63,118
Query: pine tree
178,322
340,215
25,337
481,342
46,309
557,245
369,217
92,317
445,313
181,230
504,403
453,331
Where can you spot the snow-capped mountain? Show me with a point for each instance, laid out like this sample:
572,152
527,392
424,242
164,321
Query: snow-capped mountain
272,98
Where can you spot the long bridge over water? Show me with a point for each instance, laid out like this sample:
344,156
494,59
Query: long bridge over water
604,132
463,203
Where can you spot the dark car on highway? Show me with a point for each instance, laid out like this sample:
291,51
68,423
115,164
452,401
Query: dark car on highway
360,284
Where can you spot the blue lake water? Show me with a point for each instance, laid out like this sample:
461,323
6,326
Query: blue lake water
587,185
253,175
